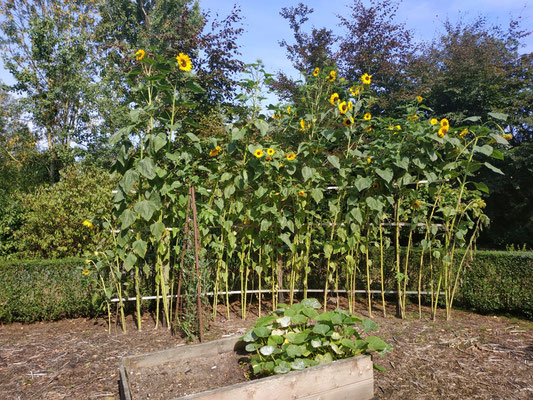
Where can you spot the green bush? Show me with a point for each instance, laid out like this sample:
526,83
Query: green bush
499,281
42,290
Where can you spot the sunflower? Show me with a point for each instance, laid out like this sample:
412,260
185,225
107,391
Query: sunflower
88,224
316,71
184,62
343,107
332,75
140,54
367,116
433,121
302,125
348,121
334,99
268,159
214,152
354,91
301,193
368,160
350,105
419,99
508,136
86,272
291,156
444,123
366,79
289,110
270,151
442,131
258,153
417,204
463,133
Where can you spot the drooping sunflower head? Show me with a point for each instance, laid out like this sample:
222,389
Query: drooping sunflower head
348,121
350,105
343,107
334,99
463,133
332,75
508,136
316,71
140,54
367,116
366,79
258,153
184,62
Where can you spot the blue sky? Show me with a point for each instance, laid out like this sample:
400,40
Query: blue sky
264,27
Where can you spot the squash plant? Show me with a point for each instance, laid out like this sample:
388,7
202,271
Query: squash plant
298,336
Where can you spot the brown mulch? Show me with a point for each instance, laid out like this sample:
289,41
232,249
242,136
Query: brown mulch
469,357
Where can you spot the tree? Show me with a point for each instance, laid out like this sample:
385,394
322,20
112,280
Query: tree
475,69
47,47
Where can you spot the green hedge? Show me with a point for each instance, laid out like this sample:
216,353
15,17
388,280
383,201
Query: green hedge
499,281
46,290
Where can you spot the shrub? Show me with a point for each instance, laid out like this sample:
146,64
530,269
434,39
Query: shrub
41,290
53,216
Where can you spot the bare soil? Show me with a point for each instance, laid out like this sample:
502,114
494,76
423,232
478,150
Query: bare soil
469,357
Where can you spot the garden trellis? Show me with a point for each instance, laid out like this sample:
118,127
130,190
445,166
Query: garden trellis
264,208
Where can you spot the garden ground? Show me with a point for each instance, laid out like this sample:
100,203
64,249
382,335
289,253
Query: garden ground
470,357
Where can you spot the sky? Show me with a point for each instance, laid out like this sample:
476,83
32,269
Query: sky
265,28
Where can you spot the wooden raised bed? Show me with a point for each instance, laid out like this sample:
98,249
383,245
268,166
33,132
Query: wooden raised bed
351,378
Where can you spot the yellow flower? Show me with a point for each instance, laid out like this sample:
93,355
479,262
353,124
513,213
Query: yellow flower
366,79
258,153
348,121
434,121
442,131
334,99
268,159
343,107
301,193
332,76
350,105
355,90
184,62
463,133
415,117
302,125
368,160
96,253
444,123
417,204
86,272
369,129
398,127
270,152
316,71
367,116
291,156
289,110
140,54
214,152
508,136
391,127
419,99
88,224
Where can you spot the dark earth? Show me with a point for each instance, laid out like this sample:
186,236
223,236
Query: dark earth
469,357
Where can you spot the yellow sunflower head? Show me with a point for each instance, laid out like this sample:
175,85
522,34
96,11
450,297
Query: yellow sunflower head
334,99
316,71
433,121
417,204
350,105
463,133
88,224
270,151
367,116
140,54
348,121
301,193
184,62
258,153
419,99
368,160
366,79
86,272
302,125
343,107
291,156
332,75
444,123
443,131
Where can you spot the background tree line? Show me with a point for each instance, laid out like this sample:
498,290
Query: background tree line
69,60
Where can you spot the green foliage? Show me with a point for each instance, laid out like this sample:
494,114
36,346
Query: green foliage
297,337
43,290
499,282
53,216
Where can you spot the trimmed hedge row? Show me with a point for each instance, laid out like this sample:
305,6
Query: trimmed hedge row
496,281
40,290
